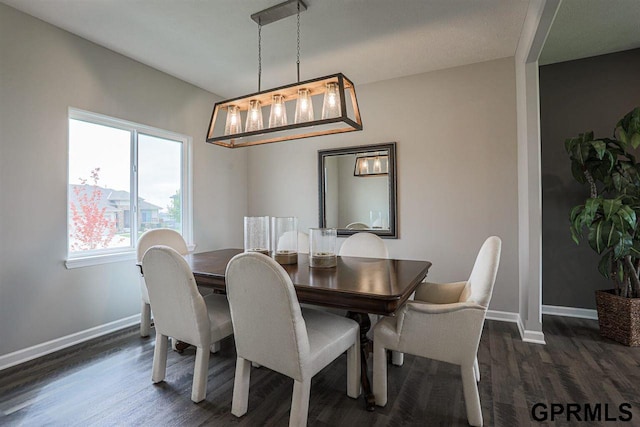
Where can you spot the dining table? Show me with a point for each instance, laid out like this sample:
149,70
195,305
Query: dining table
361,286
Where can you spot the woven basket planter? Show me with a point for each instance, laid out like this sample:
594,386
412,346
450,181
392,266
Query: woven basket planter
619,318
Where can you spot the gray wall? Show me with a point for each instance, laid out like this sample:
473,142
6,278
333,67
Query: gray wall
575,97
44,71
457,168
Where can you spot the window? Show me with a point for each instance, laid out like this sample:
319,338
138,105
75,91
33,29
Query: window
124,179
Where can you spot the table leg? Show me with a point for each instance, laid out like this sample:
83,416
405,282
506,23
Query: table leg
365,348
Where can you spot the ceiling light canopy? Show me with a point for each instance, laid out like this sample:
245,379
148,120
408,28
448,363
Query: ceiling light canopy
292,110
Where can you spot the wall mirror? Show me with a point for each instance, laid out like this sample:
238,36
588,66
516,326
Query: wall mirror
357,189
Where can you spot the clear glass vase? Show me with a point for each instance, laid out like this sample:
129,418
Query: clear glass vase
285,239
322,247
256,234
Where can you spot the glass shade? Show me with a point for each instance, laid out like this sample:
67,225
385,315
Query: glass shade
331,103
304,106
256,234
278,116
322,247
285,239
254,116
234,121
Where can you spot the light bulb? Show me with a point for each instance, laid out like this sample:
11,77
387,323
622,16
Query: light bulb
234,122
278,116
377,167
254,116
331,104
304,107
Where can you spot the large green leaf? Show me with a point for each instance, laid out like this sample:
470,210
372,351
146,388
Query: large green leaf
590,209
605,266
577,172
610,207
597,235
627,214
599,147
622,135
569,143
623,247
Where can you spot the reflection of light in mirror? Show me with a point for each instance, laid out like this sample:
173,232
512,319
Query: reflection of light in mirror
364,167
377,168
372,164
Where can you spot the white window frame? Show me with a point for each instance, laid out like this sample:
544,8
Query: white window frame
103,256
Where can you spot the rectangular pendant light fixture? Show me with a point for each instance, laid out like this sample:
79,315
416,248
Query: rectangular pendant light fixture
332,97
315,107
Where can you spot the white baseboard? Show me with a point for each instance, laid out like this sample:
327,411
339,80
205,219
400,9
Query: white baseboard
39,350
503,316
582,313
535,337
30,353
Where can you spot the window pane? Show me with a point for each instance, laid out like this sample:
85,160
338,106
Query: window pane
159,183
99,187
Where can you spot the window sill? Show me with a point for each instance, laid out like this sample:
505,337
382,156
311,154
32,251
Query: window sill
88,261
99,259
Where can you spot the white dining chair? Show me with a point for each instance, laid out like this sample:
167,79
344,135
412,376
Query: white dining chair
181,312
272,330
364,245
158,236
444,323
369,245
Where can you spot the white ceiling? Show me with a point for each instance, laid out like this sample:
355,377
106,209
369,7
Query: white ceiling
213,43
584,28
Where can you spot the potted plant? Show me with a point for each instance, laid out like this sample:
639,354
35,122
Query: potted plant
609,220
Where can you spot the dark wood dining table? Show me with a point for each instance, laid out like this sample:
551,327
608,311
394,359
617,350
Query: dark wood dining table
358,285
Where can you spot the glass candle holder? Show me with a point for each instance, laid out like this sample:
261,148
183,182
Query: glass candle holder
256,234
285,239
322,247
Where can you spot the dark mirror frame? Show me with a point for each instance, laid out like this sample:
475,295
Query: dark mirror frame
392,232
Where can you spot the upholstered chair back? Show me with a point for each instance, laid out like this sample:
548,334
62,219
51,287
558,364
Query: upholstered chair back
179,311
267,321
365,245
479,287
161,236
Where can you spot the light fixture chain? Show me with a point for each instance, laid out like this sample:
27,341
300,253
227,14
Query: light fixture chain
298,58
259,55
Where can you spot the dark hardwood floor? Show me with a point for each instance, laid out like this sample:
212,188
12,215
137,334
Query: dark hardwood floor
107,382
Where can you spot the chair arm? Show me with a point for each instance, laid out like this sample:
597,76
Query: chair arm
446,332
427,308
440,293
434,309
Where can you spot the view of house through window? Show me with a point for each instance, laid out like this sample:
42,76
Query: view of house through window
108,165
